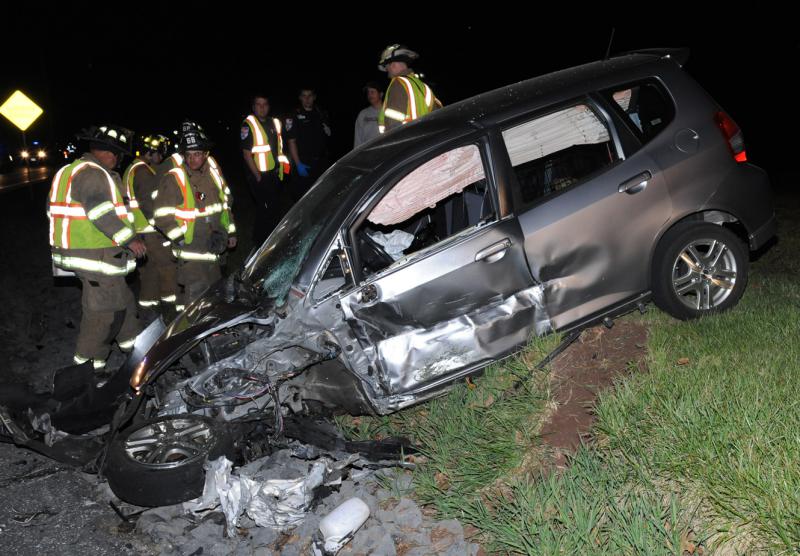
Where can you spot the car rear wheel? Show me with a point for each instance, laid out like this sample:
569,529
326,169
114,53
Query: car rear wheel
160,462
699,269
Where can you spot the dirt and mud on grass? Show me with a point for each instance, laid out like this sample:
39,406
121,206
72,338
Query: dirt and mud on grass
590,364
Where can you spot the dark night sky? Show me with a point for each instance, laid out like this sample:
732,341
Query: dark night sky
86,64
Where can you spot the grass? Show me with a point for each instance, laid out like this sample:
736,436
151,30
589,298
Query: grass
701,450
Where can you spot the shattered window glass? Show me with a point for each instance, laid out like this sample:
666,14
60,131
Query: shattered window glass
553,152
275,265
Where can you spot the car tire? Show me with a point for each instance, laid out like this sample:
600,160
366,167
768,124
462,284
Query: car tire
699,269
160,462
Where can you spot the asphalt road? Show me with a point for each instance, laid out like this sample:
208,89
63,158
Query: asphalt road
22,177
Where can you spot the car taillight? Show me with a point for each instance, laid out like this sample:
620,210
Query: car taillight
733,135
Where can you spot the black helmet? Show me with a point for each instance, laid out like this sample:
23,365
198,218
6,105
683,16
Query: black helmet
194,141
109,138
396,53
155,143
189,125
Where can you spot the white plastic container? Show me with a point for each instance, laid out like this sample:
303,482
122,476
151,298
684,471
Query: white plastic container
339,526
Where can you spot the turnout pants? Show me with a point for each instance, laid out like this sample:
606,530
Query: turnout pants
194,277
108,313
158,275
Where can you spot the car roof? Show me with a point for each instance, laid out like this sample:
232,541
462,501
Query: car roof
505,102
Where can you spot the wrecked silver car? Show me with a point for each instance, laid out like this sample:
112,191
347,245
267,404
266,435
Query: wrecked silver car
434,250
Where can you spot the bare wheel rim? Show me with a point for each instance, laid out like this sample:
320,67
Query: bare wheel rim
704,274
170,443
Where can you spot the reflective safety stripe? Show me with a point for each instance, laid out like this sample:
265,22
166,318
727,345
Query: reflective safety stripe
192,256
126,344
147,230
78,360
154,194
100,210
166,243
395,115
90,265
169,299
123,235
232,228
175,233
144,303
180,307
381,129
98,363
73,211
428,96
163,211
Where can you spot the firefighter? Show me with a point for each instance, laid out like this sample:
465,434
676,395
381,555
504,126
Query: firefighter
175,159
192,209
92,234
267,167
407,96
157,273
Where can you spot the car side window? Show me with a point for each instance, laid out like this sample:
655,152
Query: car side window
441,198
552,152
646,106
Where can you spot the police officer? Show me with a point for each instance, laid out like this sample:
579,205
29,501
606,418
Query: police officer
267,167
157,273
92,234
192,209
308,132
407,96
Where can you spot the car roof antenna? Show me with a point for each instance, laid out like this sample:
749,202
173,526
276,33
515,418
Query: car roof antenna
610,40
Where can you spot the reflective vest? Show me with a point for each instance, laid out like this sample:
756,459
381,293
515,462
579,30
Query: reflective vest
140,223
72,227
187,213
262,152
420,101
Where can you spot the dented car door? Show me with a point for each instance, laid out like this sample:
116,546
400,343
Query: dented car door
453,306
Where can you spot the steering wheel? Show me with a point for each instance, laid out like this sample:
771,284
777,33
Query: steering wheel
372,253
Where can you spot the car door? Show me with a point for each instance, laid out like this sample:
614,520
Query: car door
468,298
589,214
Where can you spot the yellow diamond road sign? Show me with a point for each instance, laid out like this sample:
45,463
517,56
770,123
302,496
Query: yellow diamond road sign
21,110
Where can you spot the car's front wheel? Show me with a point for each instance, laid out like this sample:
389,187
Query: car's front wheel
160,462
699,269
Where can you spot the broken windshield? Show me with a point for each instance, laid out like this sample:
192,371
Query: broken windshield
273,268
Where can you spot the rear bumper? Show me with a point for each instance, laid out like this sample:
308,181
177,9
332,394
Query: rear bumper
763,233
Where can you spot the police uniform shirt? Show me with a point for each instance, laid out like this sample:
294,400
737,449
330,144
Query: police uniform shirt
247,138
311,131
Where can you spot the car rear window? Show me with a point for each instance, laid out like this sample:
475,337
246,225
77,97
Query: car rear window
552,152
646,106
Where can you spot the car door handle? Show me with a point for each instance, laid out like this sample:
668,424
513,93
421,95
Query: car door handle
494,252
636,184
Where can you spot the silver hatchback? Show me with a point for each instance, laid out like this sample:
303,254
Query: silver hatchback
442,246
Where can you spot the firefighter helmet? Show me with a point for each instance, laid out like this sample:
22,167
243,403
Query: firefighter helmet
107,137
396,53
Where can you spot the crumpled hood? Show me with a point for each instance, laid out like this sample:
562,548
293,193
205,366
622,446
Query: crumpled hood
223,305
